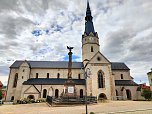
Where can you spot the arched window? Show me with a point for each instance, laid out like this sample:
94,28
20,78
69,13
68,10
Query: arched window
47,75
101,81
15,80
81,93
44,93
79,77
58,75
116,93
37,75
91,48
56,93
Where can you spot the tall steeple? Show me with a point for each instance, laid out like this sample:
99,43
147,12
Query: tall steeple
90,40
89,24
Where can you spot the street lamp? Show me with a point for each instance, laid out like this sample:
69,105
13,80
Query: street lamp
86,74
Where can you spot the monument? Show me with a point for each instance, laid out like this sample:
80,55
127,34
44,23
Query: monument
69,86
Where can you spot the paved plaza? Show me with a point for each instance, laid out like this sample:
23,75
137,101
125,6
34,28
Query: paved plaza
111,107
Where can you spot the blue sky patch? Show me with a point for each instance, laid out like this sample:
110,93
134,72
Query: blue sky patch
37,32
56,27
74,57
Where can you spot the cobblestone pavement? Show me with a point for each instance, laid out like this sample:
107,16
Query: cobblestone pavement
111,107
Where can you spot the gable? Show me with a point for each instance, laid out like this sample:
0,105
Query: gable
99,58
31,90
24,64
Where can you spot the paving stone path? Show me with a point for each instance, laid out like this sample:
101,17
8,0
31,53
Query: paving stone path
111,107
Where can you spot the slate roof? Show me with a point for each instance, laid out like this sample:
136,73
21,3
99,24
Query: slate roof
119,66
125,83
48,64
89,28
64,64
51,81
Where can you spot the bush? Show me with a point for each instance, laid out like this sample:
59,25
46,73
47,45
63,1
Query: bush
40,100
27,101
1,96
147,94
92,113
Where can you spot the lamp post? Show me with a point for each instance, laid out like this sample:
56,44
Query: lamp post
86,75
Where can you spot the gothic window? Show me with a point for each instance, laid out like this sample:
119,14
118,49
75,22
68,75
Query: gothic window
79,77
91,48
37,75
101,81
15,80
47,75
56,93
121,76
58,75
44,93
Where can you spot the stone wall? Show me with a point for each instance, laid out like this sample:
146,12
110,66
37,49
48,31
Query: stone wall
125,73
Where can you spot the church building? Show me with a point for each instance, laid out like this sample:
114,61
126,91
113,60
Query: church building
107,80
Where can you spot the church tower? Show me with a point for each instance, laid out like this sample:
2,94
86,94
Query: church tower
90,40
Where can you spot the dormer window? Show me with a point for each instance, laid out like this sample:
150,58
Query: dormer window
91,48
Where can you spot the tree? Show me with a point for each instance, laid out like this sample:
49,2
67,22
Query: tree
1,95
147,94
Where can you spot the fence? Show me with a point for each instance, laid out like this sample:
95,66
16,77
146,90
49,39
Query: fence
70,100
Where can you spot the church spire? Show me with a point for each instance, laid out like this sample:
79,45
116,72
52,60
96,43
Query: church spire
88,12
89,24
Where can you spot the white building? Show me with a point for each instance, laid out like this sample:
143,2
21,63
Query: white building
36,79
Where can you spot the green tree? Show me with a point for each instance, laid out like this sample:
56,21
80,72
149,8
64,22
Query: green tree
147,94
0,94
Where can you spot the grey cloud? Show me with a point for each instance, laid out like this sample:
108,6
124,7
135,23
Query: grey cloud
8,4
4,70
119,30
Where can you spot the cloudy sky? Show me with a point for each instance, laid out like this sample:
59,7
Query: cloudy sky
41,30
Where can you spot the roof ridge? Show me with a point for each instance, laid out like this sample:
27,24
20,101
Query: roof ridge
118,62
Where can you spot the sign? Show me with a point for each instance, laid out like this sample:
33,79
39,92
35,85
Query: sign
71,89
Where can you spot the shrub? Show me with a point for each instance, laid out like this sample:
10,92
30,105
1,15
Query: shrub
26,101
147,94
92,113
40,100
1,95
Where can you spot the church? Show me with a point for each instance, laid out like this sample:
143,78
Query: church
107,80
